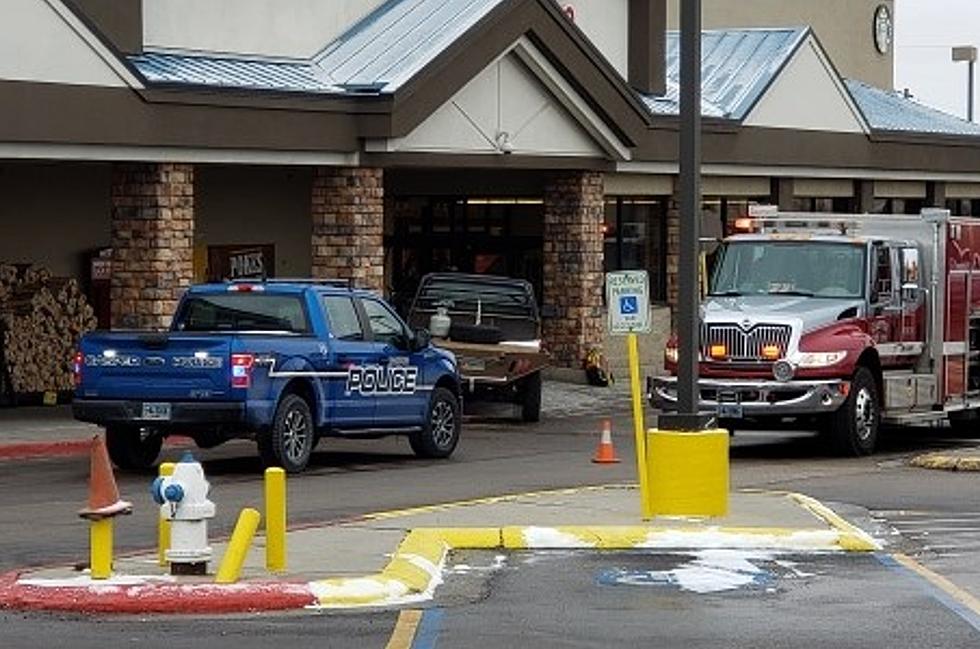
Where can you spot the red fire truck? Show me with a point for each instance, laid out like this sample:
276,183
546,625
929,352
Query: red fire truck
842,322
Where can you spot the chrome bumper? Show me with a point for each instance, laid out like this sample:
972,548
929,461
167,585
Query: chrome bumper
737,398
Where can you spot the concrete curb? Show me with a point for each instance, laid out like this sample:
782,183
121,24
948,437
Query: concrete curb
415,568
25,450
947,462
66,448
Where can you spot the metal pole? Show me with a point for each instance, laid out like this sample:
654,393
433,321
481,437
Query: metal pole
690,208
969,91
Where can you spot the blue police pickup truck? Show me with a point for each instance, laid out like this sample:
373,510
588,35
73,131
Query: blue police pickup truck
280,362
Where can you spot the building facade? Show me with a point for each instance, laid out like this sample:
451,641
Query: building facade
383,140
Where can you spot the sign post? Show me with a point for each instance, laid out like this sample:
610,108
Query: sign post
628,297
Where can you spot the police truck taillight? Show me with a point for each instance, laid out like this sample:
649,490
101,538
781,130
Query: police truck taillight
241,370
76,368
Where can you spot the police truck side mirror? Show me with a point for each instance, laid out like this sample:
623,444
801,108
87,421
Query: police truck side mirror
421,339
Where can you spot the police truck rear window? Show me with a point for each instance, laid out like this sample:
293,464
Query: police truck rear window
243,312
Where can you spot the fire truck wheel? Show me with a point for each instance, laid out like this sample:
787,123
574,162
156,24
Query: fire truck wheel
290,441
132,448
965,424
440,434
853,429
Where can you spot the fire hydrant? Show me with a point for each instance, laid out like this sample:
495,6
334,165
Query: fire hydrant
183,499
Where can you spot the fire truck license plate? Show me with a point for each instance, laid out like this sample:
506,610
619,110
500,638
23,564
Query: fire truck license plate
730,411
156,411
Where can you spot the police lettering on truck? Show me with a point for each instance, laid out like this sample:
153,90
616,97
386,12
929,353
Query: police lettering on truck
378,379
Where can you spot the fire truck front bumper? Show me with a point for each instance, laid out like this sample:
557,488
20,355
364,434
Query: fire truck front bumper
738,398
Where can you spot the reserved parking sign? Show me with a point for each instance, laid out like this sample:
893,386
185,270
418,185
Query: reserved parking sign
628,297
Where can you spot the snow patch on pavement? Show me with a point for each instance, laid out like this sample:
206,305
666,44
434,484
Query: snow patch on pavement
112,584
549,537
716,538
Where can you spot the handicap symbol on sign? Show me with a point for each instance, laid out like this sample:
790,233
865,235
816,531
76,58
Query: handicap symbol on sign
628,305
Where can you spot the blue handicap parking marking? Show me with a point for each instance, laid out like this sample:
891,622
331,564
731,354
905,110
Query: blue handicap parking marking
628,304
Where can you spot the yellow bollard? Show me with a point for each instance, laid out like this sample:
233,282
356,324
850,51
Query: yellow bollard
241,540
100,545
163,525
689,472
275,520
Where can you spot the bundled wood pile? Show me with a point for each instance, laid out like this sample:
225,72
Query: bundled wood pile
42,319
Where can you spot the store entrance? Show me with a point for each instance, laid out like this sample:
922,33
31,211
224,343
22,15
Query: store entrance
496,236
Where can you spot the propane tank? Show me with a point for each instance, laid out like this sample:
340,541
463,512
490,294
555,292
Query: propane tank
440,322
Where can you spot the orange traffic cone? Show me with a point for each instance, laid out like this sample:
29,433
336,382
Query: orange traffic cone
605,453
103,494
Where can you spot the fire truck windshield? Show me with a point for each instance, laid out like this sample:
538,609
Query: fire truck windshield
808,268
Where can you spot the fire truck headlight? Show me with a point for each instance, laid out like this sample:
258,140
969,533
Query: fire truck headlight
819,359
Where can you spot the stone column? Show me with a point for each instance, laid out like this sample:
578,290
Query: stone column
348,225
152,242
573,279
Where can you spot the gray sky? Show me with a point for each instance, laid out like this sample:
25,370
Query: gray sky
925,31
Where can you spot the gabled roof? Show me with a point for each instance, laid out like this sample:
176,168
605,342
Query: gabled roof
737,66
379,54
891,111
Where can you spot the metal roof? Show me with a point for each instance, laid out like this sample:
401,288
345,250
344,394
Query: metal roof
737,66
888,110
377,55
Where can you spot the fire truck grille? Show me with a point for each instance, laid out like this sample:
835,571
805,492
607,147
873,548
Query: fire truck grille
744,345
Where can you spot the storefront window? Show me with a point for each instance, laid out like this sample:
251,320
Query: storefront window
636,238
496,236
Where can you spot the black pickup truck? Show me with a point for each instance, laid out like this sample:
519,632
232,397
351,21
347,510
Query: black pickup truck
495,332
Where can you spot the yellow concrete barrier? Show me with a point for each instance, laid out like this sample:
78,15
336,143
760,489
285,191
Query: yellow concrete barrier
163,523
688,473
275,520
241,540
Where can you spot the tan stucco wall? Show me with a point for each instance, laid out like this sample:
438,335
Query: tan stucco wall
40,44
294,28
257,205
844,28
52,213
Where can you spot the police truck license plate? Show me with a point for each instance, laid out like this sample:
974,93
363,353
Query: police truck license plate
156,411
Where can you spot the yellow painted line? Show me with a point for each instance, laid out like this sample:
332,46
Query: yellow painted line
404,633
961,596
947,462
852,538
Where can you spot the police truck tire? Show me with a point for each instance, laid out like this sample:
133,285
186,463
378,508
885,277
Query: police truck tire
289,442
439,435
132,448
853,429
530,394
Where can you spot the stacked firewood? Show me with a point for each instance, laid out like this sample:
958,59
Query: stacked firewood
42,318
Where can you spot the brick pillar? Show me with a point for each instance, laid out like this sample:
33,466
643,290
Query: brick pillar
348,225
573,279
152,242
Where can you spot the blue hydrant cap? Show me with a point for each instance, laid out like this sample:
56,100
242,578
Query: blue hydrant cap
188,457
155,491
174,492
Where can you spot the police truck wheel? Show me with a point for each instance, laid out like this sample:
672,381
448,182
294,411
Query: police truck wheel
853,429
439,436
133,448
289,443
530,396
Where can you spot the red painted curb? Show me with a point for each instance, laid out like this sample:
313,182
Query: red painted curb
66,448
22,450
246,597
